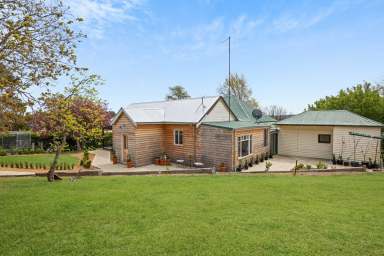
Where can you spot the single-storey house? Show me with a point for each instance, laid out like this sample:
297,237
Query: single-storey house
210,130
324,134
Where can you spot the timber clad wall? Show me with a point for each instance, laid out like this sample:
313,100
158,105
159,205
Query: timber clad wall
257,141
218,113
215,146
341,133
149,143
179,151
123,126
303,141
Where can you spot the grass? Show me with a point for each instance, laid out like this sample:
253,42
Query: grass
37,160
193,215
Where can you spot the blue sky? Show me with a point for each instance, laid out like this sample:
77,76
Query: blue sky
291,52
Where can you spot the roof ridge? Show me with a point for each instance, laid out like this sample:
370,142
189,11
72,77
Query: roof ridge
164,101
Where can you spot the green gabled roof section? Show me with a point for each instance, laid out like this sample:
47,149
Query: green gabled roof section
242,111
237,124
266,119
330,117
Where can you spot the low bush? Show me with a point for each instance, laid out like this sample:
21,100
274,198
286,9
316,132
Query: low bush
87,164
321,165
3,152
299,166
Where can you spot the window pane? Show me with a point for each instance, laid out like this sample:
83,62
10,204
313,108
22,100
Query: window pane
244,148
324,138
176,137
180,137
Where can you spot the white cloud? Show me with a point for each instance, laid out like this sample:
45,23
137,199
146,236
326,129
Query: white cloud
99,14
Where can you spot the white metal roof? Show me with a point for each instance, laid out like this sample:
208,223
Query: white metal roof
173,111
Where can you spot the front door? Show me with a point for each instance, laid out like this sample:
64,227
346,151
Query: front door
274,143
124,146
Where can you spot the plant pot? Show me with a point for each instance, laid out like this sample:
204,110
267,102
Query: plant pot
238,169
129,164
365,163
222,168
334,162
114,160
157,161
346,163
354,164
339,162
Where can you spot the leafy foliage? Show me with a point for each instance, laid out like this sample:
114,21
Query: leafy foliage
239,88
364,99
177,92
37,46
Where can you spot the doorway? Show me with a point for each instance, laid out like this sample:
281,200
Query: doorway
124,146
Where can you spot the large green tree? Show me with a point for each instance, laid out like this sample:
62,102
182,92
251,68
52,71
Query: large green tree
364,99
239,88
177,92
76,112
37,46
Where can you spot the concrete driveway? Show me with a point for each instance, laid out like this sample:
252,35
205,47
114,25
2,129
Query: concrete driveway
286,164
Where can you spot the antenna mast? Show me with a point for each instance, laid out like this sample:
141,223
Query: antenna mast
229,77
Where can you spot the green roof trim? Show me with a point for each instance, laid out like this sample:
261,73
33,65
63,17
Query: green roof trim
237,124
330,117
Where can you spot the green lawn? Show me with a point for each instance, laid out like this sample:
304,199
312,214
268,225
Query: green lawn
43,159
193,215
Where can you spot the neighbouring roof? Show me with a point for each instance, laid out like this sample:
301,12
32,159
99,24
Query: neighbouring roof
266,119
330,117
237,124
173,111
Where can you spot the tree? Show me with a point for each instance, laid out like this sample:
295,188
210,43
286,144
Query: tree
276,112
177,92
37,46
239,88
364,99
59,117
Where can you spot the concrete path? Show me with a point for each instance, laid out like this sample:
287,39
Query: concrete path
15,174
103,162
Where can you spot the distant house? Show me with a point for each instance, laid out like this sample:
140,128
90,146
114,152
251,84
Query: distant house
202,130
320,134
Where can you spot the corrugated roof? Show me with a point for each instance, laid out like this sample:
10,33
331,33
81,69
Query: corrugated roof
241,110
236,124
173,111
330,117
266,119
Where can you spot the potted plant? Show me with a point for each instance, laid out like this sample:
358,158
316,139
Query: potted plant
246,165
238,168
340,161
270,155
346,163
262,158
222,167
257,160
334,159
114,157
129,161
250,163
266,156
268,165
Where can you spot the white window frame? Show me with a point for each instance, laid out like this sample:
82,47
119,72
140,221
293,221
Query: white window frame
178,133
241,139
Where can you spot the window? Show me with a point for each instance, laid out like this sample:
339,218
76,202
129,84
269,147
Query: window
265,137
324,138
125,141
178,137
244,145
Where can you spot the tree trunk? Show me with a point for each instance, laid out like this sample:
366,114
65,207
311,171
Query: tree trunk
52,168
78,145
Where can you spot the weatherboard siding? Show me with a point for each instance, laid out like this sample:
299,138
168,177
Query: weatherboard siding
218,113
303,141
258,147
123,126
346,149
215,146
184,151
149,143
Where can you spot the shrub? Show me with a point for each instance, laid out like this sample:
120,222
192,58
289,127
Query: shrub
11,165
17,165
3,152
299,166
321,165
31,165
87,164
308,166
72,166
268,165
